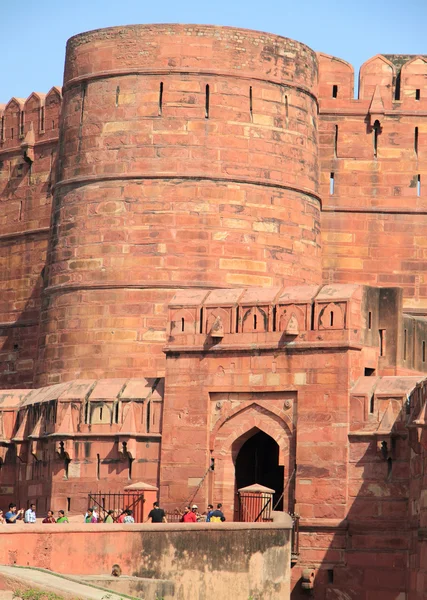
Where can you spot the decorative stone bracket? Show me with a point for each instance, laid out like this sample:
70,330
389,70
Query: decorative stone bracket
307,579
27,145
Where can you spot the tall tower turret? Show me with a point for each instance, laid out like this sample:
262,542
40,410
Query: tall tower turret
188,157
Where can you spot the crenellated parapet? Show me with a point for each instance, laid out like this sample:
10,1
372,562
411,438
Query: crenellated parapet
38,113
399,80
290,317
259,315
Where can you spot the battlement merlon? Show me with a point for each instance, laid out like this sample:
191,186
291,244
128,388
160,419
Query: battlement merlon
398,81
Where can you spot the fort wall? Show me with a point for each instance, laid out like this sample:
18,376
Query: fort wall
373,153
28,144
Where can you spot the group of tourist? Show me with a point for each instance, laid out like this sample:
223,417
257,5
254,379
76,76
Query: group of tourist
192,515
156,515
29,516
111,516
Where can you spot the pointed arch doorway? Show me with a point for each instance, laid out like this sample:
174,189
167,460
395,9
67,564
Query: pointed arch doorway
228,437
257,461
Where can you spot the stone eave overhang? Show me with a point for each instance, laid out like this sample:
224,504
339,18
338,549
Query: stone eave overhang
102,434
287,347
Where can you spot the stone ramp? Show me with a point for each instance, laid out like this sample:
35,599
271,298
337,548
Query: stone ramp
20,578
91,587
139,587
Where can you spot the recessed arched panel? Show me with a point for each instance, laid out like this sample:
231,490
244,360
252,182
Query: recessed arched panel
222,316
183,322
331,317
254,320
290,318
100,414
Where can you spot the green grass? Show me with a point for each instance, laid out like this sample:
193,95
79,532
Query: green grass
32,594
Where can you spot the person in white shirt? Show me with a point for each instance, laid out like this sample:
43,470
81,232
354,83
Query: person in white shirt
95,514
30,514
128,518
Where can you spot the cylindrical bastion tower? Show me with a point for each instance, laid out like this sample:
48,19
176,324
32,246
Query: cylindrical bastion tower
187,158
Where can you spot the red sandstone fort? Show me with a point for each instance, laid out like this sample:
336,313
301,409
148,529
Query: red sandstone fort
213,255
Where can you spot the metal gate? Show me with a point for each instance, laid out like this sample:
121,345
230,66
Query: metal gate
254,507
118,502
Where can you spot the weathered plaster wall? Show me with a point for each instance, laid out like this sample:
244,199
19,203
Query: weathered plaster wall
225,560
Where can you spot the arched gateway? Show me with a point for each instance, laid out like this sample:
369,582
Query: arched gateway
258,462
253,444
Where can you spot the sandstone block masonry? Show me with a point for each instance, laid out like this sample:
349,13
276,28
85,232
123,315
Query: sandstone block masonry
210,211
197,156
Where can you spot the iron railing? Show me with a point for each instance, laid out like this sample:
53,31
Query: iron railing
254,508
295,538
117,502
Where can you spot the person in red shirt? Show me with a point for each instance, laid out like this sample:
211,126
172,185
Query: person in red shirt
50,518
189,515
121,517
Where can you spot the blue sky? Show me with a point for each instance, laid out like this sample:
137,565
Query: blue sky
33,33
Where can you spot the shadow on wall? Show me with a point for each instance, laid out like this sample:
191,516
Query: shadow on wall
19,338
376,552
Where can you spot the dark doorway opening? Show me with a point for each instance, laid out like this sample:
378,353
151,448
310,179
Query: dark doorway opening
258,462
369,372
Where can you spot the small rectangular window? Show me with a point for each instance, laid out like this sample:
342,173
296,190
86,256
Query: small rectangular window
11,133
207,99
21,123
42,118
382,341
416,141
331,184
405,343
424,352
336,142
376,132
417,94
148,419
369,320
334,91
161,99
419,185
